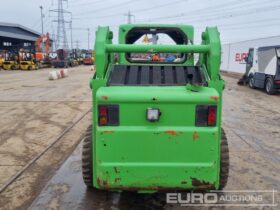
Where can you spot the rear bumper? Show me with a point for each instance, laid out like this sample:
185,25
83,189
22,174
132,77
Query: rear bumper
158,158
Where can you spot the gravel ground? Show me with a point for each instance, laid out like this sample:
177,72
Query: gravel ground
34,113
251,120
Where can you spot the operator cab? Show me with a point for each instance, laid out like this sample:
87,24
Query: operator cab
153,68
156,36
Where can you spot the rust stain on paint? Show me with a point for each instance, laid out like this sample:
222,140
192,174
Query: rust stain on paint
216,98
202,184
172,132
102,183
105,97
108,131
195,136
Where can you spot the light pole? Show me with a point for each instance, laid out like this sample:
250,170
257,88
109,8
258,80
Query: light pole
42,19
71,33
129,17
88,38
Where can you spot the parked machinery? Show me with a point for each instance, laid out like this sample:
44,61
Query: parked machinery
27,60
156,124
62,59
11,60
2,59
80,58
74,58
263,69
42,55
88,59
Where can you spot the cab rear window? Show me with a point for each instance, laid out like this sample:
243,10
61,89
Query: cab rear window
156,36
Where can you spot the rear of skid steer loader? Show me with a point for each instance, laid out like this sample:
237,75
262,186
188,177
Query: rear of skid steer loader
156,125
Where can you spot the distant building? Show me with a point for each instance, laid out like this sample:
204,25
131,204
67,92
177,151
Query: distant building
15,36
234,54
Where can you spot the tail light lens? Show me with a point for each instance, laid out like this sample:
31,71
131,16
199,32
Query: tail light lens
206,115
211,116
103,115
108,115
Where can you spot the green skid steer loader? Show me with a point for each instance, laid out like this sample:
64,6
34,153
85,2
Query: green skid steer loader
156,122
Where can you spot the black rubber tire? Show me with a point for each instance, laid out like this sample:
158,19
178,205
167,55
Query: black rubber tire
29,68
87,158
269,86
251,82
224,160
13,67
241,82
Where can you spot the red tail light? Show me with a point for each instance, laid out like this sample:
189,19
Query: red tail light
277,82
108,115
103,115
206,115
211,116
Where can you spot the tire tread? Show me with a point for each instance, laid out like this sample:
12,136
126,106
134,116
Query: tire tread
87,158
224,160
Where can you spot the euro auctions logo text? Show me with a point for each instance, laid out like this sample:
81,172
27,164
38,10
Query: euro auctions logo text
223,198
240,57
192,198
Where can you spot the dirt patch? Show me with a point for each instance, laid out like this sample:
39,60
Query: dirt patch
34,112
